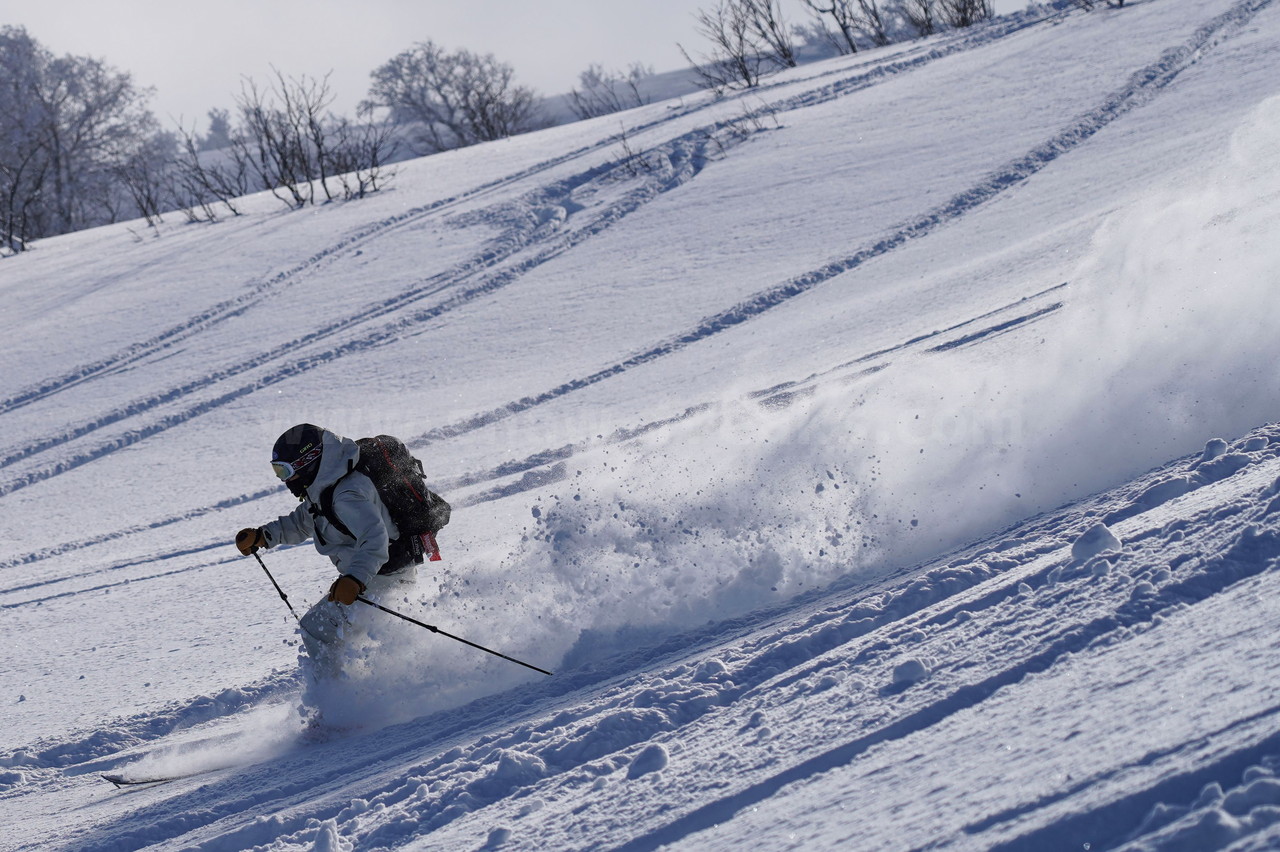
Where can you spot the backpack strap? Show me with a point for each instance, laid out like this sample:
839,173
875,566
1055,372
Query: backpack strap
326,509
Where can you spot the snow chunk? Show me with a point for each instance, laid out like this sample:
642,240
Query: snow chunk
1213,449
1223,466
1142,589
513,770
1098,539
710,670
497,837
652,758
909,673
1163,492
329,840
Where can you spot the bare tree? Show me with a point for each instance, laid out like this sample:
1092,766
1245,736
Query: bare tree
492,105
965,13
284,137
764,18
144,172
202,178
922,15
90,112
304,102
875,23
285,141
79,148
68,123
360,154
24,161
734,60
852,17
453,99
272,146
841,14
603,92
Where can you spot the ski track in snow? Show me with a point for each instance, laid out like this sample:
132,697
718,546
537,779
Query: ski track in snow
680,160
82,753
909,59
554,747
1143,86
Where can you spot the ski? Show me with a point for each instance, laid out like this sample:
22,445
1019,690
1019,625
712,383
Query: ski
121,781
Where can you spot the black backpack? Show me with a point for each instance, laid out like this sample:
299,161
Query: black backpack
418,512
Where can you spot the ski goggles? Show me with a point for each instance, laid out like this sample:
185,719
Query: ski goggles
287,470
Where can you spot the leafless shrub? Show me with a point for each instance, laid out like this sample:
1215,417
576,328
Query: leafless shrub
840,12
274,138
360,155
733,60
771,31
635,162
746,38
285,141
144,173
965,13
753,119
603,92
920,15
200,178
852,17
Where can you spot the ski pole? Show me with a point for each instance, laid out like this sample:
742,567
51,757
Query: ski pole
283,596
435,629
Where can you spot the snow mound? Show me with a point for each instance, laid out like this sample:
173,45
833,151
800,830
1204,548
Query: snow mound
1096,540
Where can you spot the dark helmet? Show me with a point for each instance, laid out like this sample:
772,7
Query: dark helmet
296,457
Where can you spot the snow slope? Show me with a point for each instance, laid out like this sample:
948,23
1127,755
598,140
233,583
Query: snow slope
817,438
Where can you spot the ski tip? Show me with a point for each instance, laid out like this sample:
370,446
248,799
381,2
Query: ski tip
121,781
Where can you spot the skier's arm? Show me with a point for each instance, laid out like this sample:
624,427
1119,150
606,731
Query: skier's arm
358,509
293,528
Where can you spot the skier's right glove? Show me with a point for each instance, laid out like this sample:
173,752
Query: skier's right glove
345,590
249,540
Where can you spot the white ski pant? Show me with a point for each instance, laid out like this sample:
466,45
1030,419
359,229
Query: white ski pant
327,623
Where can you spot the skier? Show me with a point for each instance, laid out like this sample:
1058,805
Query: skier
362,544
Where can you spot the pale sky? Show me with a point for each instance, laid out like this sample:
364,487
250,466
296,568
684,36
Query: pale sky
194,54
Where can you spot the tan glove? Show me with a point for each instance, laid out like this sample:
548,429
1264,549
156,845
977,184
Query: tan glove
249,540
345,590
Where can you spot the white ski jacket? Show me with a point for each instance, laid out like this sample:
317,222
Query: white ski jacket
356,504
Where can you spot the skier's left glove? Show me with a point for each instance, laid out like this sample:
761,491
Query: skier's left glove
345,590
